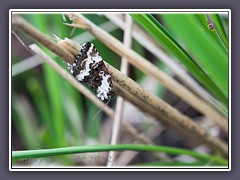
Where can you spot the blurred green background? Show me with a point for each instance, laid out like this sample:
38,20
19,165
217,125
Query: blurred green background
47,112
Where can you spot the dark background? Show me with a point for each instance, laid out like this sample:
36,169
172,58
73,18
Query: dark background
164,4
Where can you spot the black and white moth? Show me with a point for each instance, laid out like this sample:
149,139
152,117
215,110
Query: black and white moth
89,67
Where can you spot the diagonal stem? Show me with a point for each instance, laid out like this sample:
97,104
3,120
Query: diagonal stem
138,61
149,103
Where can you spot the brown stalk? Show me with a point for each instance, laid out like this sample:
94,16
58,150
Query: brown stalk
40,37
141,63
162,111
149,103
61,52
152,46
130,129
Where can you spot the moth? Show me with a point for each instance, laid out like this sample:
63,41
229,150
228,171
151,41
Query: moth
89,67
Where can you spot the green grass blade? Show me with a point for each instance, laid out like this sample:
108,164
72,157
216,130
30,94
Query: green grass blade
205,23
73,108
57,118
99,148
209,54
70,97
178,163
37,94
53,84
152,26
220,28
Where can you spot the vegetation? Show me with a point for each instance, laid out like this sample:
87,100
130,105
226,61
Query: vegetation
54,116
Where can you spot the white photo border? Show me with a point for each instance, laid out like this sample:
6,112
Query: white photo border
99,11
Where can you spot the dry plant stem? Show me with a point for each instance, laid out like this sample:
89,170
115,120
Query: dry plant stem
125,158
131,91
130,129
157,107
40,37
138,61
127,40
128,89
152,46
25,65
84,37
71,79
45,40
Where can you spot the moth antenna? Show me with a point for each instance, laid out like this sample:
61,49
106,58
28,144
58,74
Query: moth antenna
101,109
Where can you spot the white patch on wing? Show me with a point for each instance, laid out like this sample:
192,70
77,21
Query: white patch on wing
91,63
85,72
96,58
103,90
90,60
